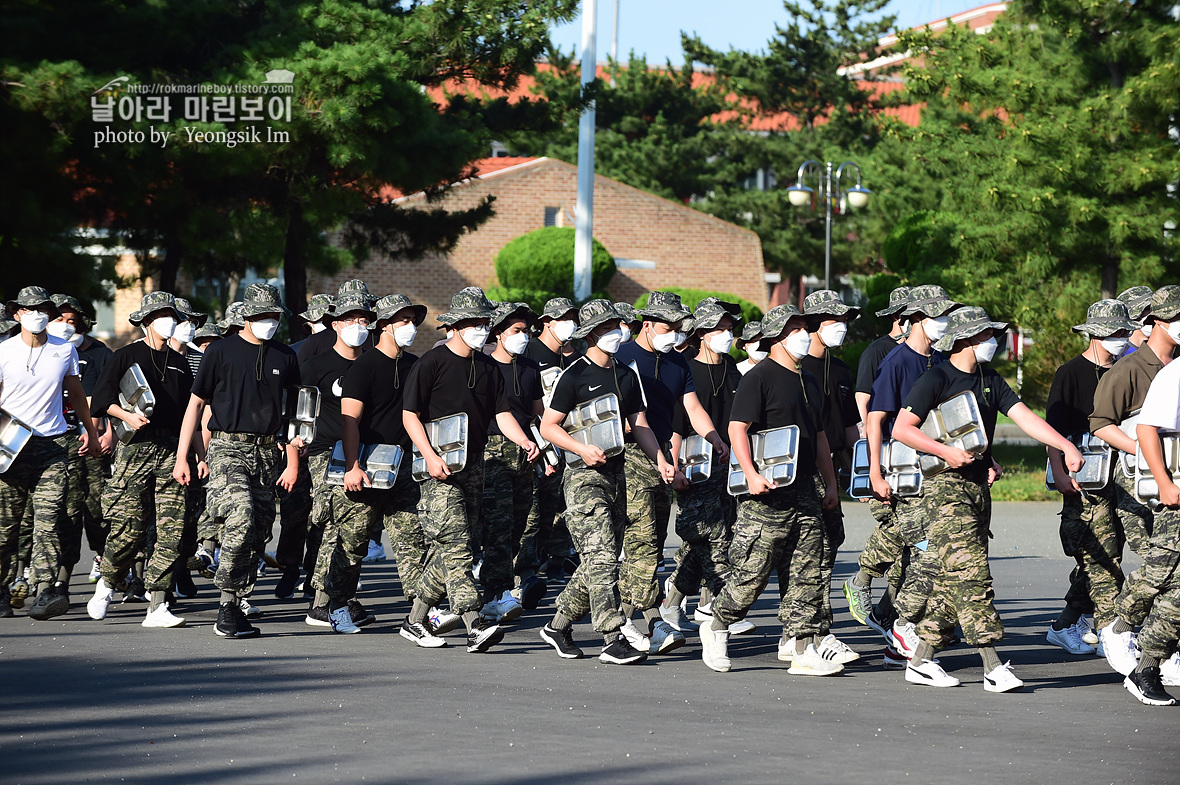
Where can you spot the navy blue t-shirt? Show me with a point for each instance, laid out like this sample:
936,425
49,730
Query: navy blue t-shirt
666,378
899,371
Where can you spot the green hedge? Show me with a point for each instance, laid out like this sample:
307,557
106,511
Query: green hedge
690,297
535,299
542,263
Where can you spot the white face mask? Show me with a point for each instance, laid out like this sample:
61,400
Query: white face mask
263,329
475,337
514,344
757,355
610,341
405,335
1174,331
680,339
163,326
721,342
564,330
663,342
626,331
317,327
1146,329
184,332
833,335
984,352
34,321
354,334
935,327
63,330
77,338
1115,346
798,344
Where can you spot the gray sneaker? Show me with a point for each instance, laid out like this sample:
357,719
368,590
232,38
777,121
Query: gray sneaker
53,601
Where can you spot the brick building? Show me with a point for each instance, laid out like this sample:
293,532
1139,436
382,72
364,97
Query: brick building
656,242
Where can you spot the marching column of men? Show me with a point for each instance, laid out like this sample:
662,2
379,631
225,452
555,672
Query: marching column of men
505,457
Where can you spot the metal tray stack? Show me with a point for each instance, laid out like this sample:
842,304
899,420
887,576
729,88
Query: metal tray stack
380,462
902,468
696,458
301,406
597,422
550,455
1147,490
549,378
775,453
859,486
448,437
1095,473
14,435
135,396
958,423
1128,426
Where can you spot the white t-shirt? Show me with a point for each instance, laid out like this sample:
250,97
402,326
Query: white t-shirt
31,382
1161,407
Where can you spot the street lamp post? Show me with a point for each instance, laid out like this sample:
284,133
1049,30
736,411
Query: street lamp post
829,190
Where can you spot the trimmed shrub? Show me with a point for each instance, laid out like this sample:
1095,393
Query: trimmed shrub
543,261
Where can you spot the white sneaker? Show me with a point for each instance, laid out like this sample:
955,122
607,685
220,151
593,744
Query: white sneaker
417,633
810,663
833,649
1069,639
676,619
95,570
664,639
442,622
341,621
261,572
715,648
930,674
703,613
503,608
637,639
100,603
905,638
248,608
1002,679
1121,649
1086,631
161,617
787,649
1170,671
376,553
743,627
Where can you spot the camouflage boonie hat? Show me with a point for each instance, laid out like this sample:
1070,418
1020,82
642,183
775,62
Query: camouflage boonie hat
65,302
733,309
7,324
628,312
826,302
354,286
594,313
708,315
352,302
503,312
206,332
30,297
233,316
318,307
262,298
470,303
152,302
390,304
664,307
1138,300
1105,318
929,300
966,322
897,302
775,320
557,308
1165,304
190,314
751,332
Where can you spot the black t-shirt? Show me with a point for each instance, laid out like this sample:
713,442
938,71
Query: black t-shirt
716,385
838,410
522,385
244,384
171,391
321,342
870,361
944,381
585,380
90,363
1071,397
545,357
771,396
666,380
326,372
442,383
377,381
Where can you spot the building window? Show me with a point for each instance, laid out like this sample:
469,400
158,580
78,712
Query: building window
551,215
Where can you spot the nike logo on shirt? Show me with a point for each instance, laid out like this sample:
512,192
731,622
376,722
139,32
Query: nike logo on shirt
595,387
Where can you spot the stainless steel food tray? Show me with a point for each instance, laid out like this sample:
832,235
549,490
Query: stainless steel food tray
776,455
380,461
696,458
448,437
597,422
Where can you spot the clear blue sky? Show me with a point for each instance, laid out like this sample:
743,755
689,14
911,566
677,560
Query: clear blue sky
652,27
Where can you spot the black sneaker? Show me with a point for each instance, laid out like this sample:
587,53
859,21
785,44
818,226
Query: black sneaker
5,604
53,601
555,569
1148,688
317,616
231,623
532,590
285,588
621,652
183,582
563,641
483,636
360,616
135,591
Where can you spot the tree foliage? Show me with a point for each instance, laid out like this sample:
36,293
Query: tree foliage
689,298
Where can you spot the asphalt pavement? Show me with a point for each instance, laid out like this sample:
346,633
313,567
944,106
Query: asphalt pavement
110,701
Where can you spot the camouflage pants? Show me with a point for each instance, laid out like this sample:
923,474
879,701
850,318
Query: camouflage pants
84,499
344,519
1091,534
294,514
448,512
1135,517
38,480
833,538
142,501
596,509
918,570
507,498
959,509
241,503
194,511
647,493
546,532
397,510
884,548
701,526
1146,585
781,531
